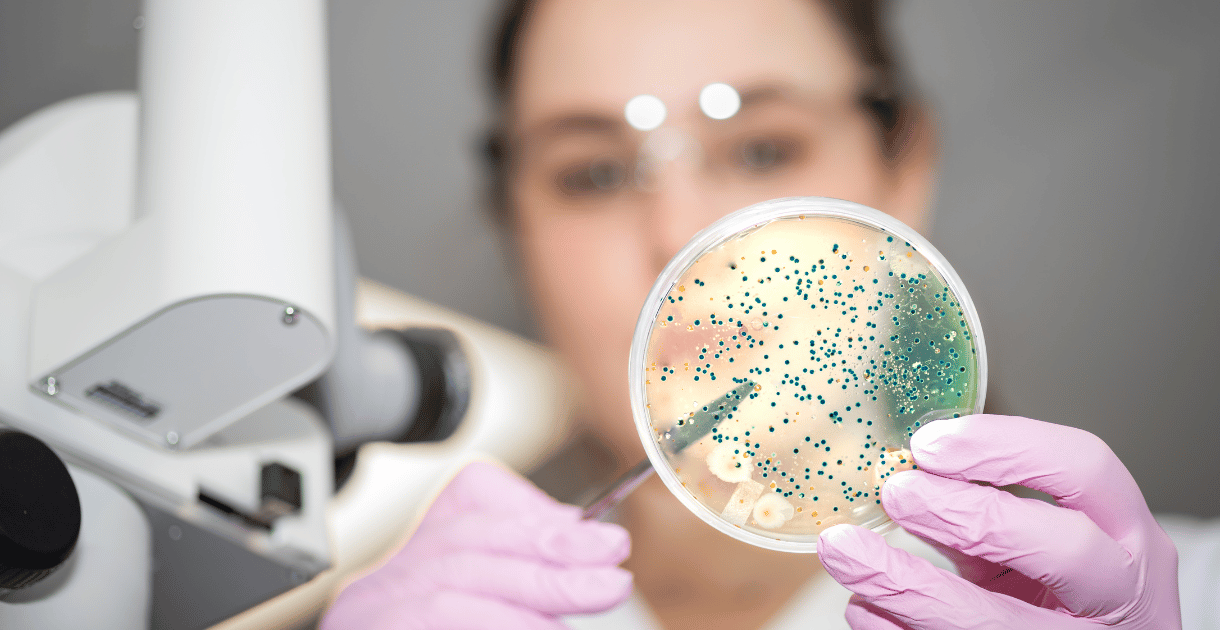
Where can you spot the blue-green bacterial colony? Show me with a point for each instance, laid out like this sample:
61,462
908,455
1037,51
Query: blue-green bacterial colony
853,341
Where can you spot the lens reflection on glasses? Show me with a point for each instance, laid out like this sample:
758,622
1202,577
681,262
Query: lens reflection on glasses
719,101
645,112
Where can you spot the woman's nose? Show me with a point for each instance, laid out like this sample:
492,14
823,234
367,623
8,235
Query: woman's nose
678,208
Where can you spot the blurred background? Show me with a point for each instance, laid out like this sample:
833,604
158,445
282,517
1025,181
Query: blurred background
1079,196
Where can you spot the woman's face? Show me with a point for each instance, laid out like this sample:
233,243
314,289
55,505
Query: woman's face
600,207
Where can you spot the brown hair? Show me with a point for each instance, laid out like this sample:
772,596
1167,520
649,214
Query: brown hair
887,99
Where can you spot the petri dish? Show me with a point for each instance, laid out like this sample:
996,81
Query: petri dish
785,357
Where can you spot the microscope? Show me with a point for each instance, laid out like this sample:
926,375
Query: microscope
207,418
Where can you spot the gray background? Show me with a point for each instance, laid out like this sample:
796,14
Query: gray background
1078,198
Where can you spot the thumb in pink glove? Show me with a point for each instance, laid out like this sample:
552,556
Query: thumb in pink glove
492,552
1098,559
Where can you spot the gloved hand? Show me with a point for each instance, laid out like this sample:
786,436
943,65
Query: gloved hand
492,552
1098,560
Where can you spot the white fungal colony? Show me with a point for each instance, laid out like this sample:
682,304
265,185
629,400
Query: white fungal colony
772,510
729,464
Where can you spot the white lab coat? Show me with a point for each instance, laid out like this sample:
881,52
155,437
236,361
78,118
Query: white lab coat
1198,543
819,605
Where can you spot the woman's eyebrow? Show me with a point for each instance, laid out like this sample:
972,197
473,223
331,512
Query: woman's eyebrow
577,123
769,92
757,95
603,124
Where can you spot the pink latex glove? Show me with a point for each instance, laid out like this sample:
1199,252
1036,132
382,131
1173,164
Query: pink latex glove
492,552
1097,561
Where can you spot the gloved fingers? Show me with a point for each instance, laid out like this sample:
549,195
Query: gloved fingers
993,577
1074,466
862,615
529,584
919,596
1089,573
486,487
359,606
463,611
560,542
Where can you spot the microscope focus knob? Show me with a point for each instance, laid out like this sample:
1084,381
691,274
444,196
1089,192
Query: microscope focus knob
39,511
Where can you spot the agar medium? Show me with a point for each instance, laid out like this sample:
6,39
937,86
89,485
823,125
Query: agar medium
836,331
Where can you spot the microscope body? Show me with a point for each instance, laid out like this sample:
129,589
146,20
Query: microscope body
171,270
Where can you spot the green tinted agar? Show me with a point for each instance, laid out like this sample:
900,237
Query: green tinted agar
853,340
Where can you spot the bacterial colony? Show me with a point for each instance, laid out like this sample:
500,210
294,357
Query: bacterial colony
852,341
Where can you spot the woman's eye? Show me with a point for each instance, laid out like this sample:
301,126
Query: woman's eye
594,177
763,155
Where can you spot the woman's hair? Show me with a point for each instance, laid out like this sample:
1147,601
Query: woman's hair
887,98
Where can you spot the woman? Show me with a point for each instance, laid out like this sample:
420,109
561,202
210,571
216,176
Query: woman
599,204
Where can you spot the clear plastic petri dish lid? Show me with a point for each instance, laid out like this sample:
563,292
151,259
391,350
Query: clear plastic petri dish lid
785,357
